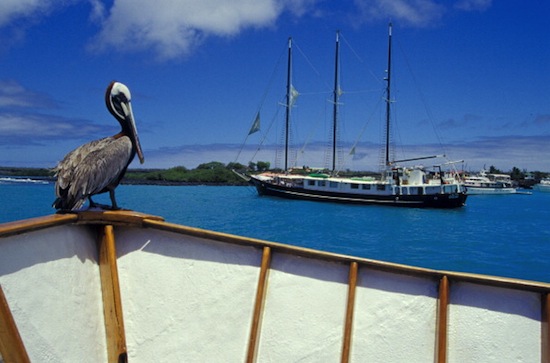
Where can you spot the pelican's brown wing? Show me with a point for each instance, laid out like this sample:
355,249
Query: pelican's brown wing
90,169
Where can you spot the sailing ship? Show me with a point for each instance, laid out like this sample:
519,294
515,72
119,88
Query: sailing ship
398,186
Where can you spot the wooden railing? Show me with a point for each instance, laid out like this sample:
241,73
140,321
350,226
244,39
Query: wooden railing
12,347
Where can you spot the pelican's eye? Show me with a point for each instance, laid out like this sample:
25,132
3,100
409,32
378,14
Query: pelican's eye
118,101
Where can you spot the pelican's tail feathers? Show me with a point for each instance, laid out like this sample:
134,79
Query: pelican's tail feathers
64,204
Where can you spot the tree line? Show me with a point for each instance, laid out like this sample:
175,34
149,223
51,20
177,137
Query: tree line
216,172
208,173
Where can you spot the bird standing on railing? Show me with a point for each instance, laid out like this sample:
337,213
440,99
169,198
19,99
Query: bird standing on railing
98,166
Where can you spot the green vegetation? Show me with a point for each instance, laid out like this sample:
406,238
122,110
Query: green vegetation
209,173
517,174
217,173
30,172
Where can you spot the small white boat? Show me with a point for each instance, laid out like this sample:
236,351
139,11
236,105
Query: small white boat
485,183
123,286
543,185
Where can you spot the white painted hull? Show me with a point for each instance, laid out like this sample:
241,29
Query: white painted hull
542,187
484,190
198,296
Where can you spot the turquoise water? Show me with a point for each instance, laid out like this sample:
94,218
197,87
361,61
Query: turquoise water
496,235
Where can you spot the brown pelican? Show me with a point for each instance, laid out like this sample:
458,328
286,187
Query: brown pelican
98,166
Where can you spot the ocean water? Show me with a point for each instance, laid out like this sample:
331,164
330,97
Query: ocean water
496,235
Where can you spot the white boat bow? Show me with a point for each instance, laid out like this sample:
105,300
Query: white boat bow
124,286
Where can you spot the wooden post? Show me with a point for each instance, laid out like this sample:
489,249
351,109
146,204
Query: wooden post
352,284
12,348
441,348
112,305
545,333
258,307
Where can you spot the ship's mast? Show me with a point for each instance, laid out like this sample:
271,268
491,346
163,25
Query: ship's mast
388,99
336,97
288,99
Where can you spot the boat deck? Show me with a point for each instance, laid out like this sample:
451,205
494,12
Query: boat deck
118,286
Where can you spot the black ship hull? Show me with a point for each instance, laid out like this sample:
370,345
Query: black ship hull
443,200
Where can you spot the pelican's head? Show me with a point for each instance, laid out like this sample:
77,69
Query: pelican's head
117,98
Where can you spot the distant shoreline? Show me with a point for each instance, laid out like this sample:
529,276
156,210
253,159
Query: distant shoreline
211,174
169,183
125,181
217,176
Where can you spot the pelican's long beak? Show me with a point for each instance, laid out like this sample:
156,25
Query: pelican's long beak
133,131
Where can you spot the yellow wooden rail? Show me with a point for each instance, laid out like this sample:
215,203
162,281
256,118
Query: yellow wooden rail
32,224
442,311
11,345
112,305
348,325
545,328
258,306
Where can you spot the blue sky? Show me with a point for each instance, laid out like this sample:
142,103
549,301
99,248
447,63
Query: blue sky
471,79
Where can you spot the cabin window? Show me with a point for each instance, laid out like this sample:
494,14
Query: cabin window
311,182
432,190
322,183
381,187
450,189
354,186
333,184
366,186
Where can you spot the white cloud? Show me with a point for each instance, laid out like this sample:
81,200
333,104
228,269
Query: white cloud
419,13
21,124
300,8
174,27
473,5
98,10
12,94
415,13
17,16
33,128
11,10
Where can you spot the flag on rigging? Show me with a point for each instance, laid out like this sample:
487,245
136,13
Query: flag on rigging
293,95
256,125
